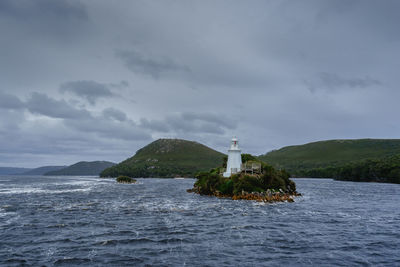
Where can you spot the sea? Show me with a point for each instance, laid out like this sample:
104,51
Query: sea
90,221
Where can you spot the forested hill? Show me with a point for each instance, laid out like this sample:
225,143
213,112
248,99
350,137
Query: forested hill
332,153
83,168
386,170
168,158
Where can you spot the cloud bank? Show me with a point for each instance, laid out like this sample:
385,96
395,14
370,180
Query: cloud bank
88,80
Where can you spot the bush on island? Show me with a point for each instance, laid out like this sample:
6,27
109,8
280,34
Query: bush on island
125,179
213,183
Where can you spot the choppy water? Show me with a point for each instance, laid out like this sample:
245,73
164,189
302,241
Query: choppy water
91,221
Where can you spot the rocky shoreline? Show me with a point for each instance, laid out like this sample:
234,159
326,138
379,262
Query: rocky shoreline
268,196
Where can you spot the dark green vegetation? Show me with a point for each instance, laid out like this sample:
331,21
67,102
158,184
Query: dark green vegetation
212,183
385,170
43,170
167,158
331,153
125,179
83,168
356,160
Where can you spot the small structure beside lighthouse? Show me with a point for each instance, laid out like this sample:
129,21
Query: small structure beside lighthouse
234,159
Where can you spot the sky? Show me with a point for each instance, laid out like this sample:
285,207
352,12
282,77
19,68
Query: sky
98,80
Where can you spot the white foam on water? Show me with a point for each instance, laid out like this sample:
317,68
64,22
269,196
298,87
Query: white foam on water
33,190
75,206
85,184
126,184
14,217
3,213
168,206
82,181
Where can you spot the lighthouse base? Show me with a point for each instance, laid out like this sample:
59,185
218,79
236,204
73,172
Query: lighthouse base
233,171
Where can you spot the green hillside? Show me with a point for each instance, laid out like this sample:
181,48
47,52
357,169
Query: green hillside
332,153
83,168
385,170
168,158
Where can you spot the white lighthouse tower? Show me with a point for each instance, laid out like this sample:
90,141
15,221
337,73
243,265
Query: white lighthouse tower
234,159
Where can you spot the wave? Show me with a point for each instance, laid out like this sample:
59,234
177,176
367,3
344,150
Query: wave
72,261
142,240
33,190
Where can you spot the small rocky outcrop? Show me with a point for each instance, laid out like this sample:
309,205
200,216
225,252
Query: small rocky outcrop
270,186
125,180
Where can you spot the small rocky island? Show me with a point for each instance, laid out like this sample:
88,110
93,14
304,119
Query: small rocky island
251,180
125,179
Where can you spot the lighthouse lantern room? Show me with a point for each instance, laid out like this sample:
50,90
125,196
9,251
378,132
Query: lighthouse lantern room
234,159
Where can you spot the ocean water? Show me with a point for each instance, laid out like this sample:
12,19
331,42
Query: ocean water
70,221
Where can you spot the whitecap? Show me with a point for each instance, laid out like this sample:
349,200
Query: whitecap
14,217
84,181
3,212
33,190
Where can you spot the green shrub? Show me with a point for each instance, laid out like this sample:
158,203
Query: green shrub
249,157
208,183
226,188
125,179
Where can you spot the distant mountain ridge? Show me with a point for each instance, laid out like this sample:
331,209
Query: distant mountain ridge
330,153
43,170
168,158
83,168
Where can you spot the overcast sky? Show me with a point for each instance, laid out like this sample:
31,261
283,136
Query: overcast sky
97,80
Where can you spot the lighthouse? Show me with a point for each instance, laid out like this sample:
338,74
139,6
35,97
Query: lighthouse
234,159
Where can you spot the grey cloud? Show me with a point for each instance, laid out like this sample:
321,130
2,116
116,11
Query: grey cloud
121,84
8,101
59,20
190,122
155,67
38,9
113,123
109,128
10,122
200,72
210,118
333,82
90,90
155,125
42,104
112,113
50,145
249,62
382,19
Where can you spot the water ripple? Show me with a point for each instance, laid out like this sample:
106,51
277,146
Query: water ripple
68,221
